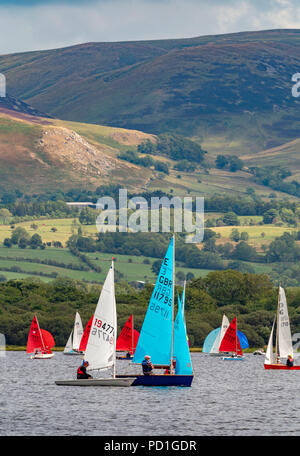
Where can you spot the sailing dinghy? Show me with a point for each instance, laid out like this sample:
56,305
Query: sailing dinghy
162,337
127,340
101,345
72,346
231,343
39,342
283,342
213,340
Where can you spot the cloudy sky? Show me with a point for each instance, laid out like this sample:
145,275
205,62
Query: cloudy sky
27,25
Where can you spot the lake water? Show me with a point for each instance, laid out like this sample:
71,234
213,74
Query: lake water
227,398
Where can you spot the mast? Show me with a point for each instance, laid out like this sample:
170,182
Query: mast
236,337
277,332
40,333
173,297
132,337
115,318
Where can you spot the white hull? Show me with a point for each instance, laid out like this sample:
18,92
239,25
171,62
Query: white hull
42,356
71,353
97,382
232,358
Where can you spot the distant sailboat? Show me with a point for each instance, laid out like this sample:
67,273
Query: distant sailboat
72,346
161,337
213,340
127,340
101,346
283,343
231,343
39,341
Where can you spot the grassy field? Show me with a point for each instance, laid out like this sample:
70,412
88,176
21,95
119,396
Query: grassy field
258,235
131,267
17,263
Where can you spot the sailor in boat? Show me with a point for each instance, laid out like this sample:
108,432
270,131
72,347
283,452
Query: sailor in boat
290,361
81,371
168,371
147,366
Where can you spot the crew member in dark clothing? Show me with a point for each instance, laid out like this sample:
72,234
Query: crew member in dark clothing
147,366
81,371
290,361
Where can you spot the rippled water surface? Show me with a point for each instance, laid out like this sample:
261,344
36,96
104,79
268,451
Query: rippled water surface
226,398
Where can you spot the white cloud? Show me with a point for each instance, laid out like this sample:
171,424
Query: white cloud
50,26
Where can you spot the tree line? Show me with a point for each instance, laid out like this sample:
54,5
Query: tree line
250,297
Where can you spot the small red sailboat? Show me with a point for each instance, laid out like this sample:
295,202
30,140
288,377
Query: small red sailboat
230,343
39,341
127,340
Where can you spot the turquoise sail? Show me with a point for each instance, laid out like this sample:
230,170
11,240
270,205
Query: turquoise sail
183,300
181,349
156,334
210,340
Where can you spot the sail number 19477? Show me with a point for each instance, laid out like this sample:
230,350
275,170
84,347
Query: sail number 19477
103,329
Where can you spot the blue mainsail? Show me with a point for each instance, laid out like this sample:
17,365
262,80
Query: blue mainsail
156,333
243,339
181,349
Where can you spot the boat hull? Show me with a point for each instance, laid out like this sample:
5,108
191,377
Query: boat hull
71,353
161,380
280,367
230,358
97,382
42,356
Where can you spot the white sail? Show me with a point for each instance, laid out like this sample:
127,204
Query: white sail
100,350
224,326
78,332
269,357
69,344
285,346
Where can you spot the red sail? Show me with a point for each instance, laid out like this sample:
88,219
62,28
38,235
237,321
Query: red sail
34,337
48,339
230,341
128,338
85,335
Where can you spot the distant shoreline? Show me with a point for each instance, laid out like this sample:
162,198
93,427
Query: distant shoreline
60,349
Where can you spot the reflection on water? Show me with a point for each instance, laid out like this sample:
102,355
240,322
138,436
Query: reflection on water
226,398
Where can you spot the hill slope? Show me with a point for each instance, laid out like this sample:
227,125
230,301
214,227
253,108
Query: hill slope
233,91
42,154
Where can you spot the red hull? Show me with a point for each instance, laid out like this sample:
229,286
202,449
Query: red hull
280,367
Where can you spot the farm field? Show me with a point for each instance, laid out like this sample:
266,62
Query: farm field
258,234
55,262
17,263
